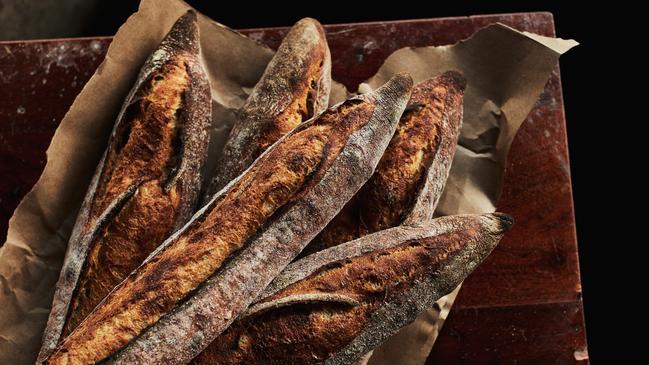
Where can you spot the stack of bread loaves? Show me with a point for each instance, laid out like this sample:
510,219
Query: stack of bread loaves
312,242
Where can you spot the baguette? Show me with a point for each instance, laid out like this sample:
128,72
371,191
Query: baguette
410,177
205,275
335,305
144,187
294,87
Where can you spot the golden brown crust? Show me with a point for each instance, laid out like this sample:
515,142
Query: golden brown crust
403,165
294,87
144,160
144,143
303,333
121,247
309,333
367,278
285,174
145,185
181,267
433,116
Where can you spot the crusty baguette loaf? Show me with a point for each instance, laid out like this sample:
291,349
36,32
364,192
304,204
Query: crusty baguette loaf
335,305
294,87
145,186
204,276
410,177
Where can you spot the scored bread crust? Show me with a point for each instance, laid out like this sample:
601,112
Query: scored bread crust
294,88
402,310
114,206
171,326
428,194
409,179
335,305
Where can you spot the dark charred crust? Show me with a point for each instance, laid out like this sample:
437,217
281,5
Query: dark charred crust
506,221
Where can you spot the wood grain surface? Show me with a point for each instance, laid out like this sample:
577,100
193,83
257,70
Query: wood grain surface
522,306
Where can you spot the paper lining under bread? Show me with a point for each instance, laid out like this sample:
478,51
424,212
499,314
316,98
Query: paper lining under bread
40,227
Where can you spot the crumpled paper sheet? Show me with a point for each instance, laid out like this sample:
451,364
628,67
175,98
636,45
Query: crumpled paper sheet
506,71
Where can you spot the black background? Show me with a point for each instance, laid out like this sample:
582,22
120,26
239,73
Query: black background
597,104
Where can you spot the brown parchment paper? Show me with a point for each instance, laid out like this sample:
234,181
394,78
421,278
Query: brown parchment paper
506,71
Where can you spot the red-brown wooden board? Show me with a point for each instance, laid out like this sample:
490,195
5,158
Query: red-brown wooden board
522,306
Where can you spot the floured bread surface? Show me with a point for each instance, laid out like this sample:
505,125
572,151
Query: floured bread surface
426,135
281,175
144,152
147,184
315,317
294,88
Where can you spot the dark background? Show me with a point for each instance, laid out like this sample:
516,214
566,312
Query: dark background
595,100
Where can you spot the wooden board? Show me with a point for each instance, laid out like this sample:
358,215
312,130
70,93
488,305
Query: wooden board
522,306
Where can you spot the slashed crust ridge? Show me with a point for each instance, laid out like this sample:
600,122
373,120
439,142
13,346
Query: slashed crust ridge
321,305
285,175
410,177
